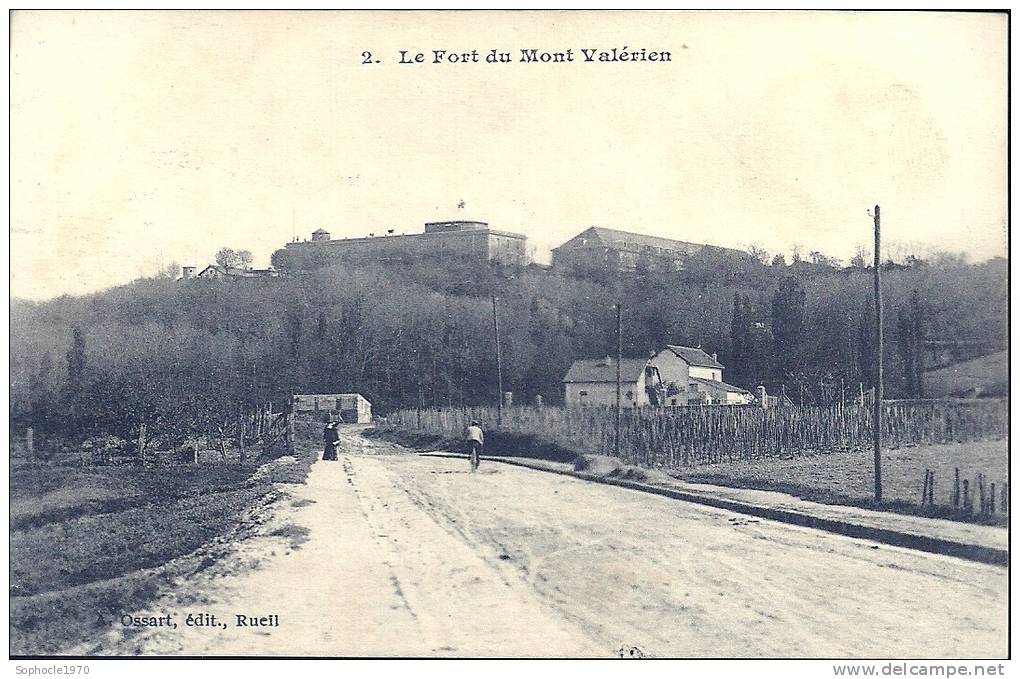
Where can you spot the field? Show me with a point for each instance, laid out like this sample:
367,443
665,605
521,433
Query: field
847,477
88,544
988,374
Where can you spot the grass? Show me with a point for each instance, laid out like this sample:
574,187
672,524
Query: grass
848,477
42,494
48,623
81,551
985,374
88,544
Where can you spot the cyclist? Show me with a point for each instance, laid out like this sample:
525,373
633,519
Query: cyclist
475,439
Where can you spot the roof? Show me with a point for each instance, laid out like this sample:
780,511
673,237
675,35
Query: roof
437,235
319,231
695,356
720,385
299,397
458,222
625,240
603,370
238,271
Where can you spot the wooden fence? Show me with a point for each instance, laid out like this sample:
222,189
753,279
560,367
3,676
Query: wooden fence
969,496
256,432
680,437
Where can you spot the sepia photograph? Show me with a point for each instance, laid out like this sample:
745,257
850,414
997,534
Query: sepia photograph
510,334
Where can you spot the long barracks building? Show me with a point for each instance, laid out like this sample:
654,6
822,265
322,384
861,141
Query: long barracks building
460,239
602,249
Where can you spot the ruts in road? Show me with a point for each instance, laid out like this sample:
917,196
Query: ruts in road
389,553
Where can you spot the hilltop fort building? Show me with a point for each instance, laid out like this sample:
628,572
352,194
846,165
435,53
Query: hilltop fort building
455,239
602,249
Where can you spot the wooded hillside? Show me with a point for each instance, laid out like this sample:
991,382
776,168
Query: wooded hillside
165,351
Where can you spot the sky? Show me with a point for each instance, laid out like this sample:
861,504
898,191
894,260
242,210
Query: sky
141,138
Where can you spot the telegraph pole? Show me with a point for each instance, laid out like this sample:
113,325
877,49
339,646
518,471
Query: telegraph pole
499,365
878,358
619,358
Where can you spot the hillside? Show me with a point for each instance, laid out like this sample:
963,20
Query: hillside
983,376
161,351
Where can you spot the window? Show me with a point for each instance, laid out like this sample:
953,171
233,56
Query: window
630,395
582,393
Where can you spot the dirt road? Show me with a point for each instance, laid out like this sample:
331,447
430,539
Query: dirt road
403,555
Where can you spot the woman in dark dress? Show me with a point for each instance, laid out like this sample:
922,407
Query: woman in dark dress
330,441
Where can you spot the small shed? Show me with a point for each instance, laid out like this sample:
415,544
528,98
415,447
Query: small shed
353,408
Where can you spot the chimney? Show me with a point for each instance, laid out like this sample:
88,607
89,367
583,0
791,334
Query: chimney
715,357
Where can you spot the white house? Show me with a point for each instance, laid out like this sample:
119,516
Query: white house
692,376
592,382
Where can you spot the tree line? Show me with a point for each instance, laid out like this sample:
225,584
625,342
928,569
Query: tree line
181,355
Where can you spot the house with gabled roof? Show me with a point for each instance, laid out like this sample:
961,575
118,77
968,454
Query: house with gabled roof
592,382
218,271
690,375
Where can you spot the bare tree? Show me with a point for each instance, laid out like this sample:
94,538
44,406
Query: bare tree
244,258
861,257
172,270
227,257
758,253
